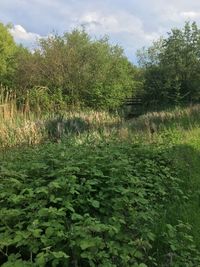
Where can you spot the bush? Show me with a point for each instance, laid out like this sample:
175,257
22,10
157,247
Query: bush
86,205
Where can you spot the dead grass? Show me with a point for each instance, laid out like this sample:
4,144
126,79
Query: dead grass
91,125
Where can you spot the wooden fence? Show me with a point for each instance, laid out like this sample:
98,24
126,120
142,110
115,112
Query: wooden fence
134,106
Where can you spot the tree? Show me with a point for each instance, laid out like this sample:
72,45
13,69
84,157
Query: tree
79,70
8,49
27,72
89,72
174,76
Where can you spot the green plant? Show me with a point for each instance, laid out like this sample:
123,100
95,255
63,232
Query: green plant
84,204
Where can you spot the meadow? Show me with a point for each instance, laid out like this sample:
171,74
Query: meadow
91,188
83,183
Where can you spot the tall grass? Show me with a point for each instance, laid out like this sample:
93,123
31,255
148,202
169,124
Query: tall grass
20,129
7,103
178,117
152,127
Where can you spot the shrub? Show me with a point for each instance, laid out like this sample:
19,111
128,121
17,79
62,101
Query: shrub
84,205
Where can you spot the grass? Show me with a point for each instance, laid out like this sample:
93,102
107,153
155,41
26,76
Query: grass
29,130
187,156
153,127
174,134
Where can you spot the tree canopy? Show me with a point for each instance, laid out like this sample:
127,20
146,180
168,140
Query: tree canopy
76,70
171,67
7,55
88,72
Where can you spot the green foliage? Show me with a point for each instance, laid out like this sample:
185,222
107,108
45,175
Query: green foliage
26,73
87,205
179,240
89,72
172,67
99,203
7,55
42,100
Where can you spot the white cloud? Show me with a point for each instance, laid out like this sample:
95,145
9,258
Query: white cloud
115,23
190,15
131,23
123,28
21,35
127,28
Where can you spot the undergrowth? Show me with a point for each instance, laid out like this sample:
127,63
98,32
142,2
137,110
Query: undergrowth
91,205
108,193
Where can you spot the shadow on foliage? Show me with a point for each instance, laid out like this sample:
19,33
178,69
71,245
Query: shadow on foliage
178,226
59,127
171,119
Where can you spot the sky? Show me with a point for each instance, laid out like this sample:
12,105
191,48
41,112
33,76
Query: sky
129,23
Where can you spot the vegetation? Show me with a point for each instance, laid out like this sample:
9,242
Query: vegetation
72,69
75,71
125,199
8,50
171,68
87,205
83,187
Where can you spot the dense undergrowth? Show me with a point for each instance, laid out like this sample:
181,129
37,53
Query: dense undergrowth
112,194
90,205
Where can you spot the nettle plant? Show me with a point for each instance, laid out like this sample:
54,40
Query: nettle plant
87,205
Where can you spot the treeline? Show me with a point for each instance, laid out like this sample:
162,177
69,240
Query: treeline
71,69
74,70
171,68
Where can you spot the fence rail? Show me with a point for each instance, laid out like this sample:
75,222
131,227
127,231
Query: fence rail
133,101
133,106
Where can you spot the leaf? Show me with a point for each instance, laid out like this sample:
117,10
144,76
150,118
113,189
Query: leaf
49,231
41,259
60,254
84,244
95,203
37,232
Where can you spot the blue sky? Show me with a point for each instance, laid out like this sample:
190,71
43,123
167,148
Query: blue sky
130,23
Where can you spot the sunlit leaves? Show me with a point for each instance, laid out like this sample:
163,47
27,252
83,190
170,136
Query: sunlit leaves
80,205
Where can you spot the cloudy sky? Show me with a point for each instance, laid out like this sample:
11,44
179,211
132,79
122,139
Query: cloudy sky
130,23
